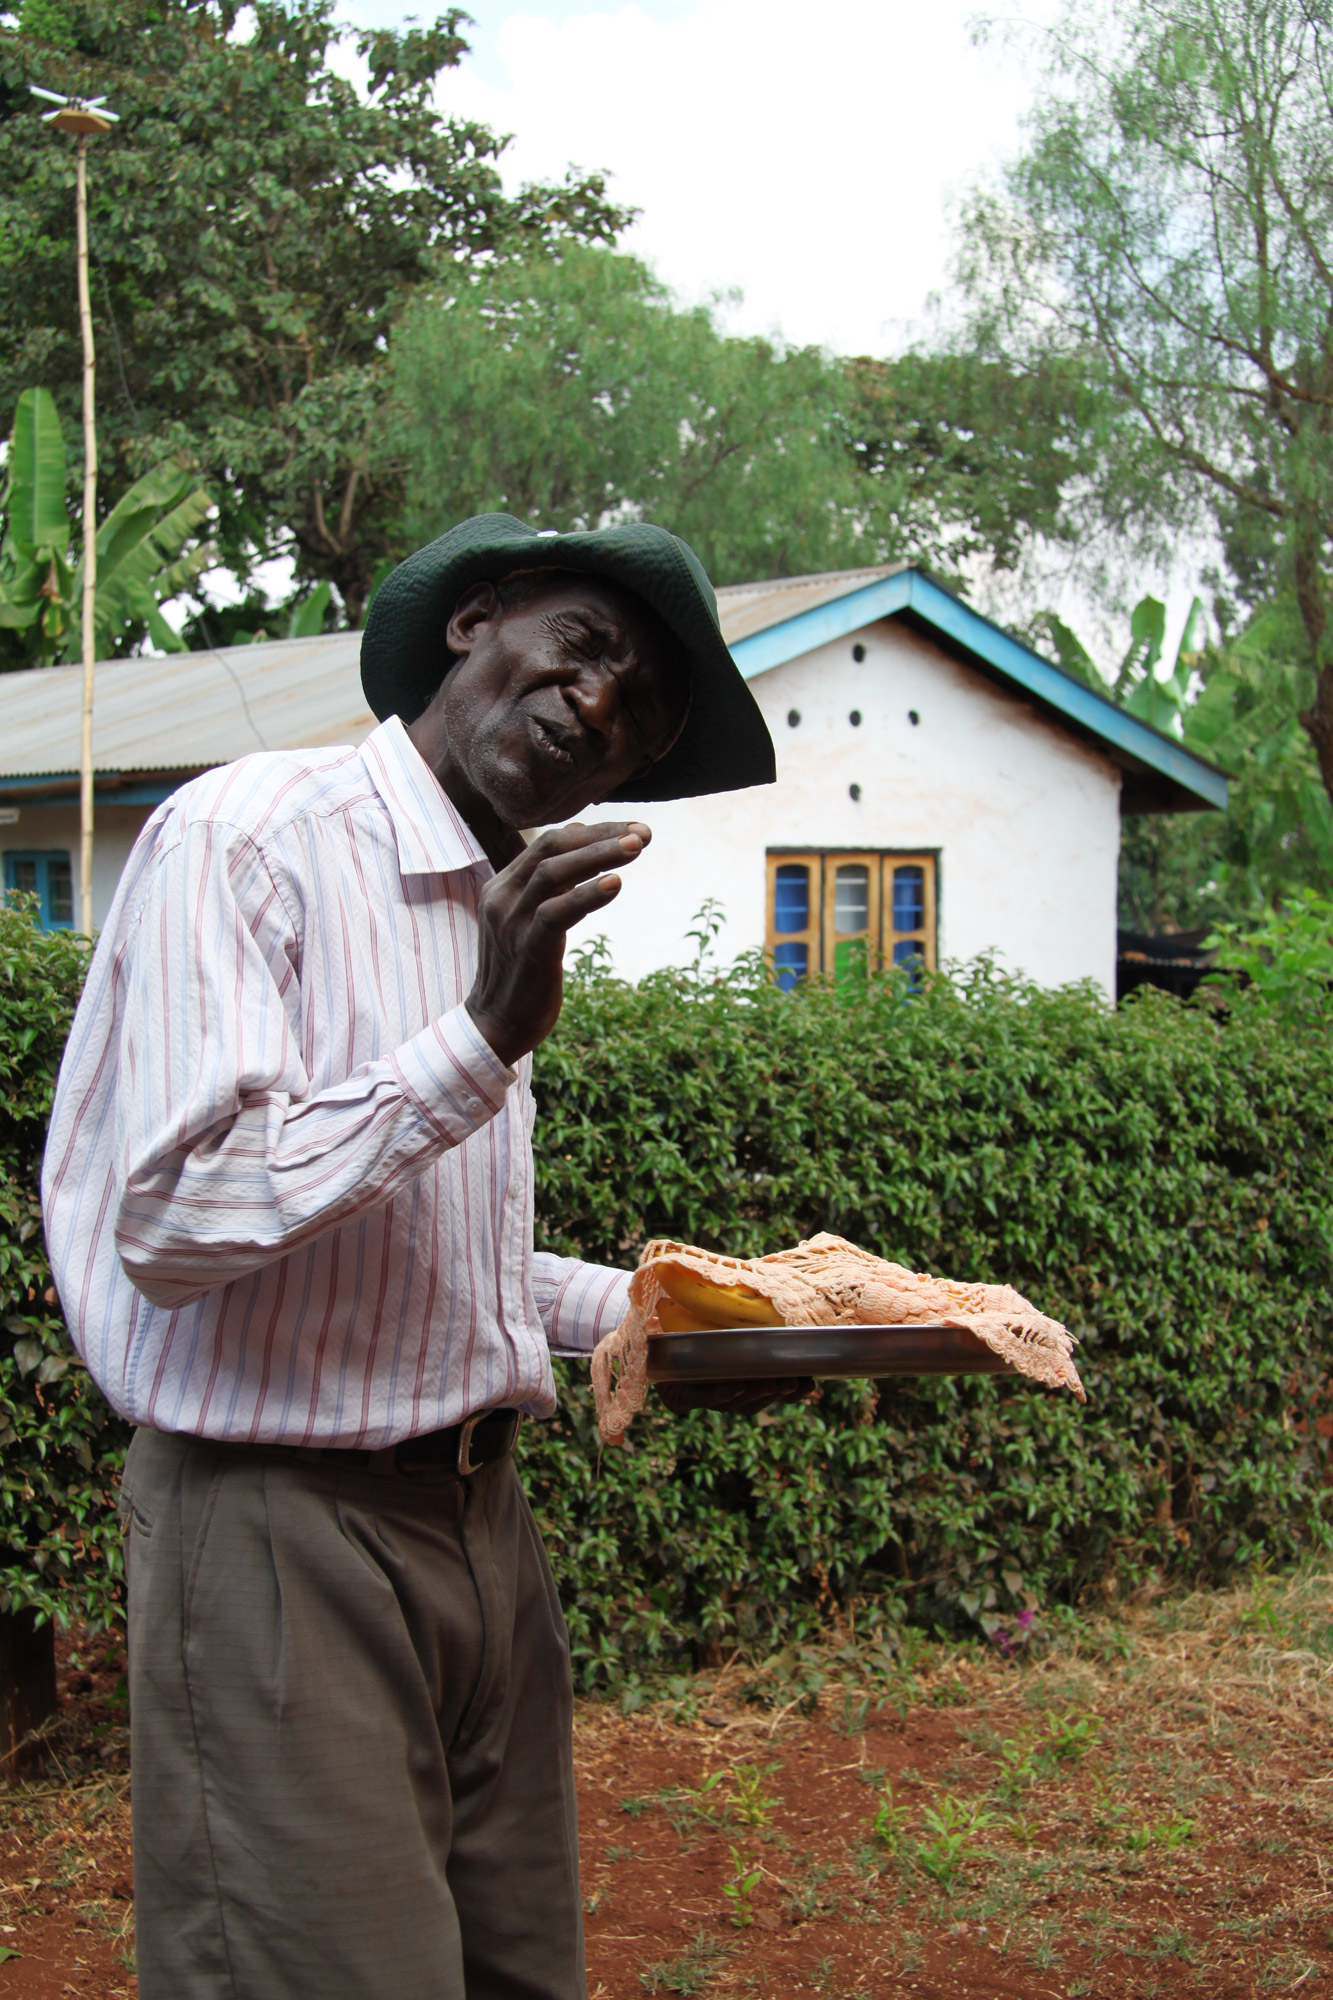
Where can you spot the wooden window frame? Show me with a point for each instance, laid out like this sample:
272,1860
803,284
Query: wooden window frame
820,936
810,936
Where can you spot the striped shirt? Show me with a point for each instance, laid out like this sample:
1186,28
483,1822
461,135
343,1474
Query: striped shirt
288,1184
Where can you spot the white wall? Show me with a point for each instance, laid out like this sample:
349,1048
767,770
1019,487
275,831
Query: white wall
115,830
1025,817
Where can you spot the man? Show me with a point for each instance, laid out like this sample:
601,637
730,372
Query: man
289,1204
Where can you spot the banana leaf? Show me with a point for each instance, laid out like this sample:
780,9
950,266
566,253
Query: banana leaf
139,560
36,486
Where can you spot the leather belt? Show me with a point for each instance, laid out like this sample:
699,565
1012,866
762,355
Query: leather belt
458,1452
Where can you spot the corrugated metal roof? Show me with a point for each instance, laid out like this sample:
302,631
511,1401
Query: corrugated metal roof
185,711
746,608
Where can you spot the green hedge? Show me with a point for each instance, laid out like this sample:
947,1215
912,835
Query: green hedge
61,1449
1161,1178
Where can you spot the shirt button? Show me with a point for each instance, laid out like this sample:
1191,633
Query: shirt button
472,1104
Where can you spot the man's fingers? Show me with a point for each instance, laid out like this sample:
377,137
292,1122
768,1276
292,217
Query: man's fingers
560,913
560,872
739,1399
562,840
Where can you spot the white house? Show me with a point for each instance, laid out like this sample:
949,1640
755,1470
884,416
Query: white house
942,790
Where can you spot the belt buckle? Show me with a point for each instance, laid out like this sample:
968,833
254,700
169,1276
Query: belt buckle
466,1464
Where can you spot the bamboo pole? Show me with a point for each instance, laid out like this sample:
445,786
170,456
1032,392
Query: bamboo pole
89,608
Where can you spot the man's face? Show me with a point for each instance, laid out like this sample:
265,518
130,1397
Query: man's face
555,702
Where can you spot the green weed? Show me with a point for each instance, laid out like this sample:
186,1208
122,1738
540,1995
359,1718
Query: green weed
690,1972
890,1820
1070,1737
806,1896
1167,1833
950,1844
740,1890
747,1799
1174,1944
853,1715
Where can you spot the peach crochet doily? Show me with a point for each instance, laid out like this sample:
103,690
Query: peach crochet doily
826,1282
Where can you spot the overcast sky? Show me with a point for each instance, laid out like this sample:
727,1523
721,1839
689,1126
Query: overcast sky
806,155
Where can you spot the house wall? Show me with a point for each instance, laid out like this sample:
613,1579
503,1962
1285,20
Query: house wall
1025,818
115,830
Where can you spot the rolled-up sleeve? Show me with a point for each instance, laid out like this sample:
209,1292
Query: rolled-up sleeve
229,1156
577,1302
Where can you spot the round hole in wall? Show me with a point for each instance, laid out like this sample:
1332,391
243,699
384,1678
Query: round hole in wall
858,652
913,717
853,792
793,717
855,718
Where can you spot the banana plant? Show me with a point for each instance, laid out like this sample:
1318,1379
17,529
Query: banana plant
1160,699
1156,698
144,552
35,575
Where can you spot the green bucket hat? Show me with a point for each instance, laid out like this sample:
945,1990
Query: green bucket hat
725,744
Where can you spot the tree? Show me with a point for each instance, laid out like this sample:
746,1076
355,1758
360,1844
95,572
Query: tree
1236,702
1276,839
140,544
1169,227
570,389
257,224
968,458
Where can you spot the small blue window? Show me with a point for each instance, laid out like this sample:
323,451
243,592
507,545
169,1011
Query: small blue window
791,962
791,900
909,900
45,874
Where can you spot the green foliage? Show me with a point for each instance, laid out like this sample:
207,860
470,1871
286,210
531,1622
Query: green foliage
60,1447
740,1890
1287,960
1243,713
1162,700
967,458
140,563
1158,1177
256,223
691,1972
565,390
948,1845
569,390
1166,227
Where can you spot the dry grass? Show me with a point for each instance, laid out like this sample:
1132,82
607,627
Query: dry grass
1141,1807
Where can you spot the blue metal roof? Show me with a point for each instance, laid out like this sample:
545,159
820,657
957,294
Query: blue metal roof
1133,744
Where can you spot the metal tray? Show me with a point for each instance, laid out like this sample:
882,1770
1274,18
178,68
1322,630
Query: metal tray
733,1354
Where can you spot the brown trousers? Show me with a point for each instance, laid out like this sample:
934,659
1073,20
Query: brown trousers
351,1733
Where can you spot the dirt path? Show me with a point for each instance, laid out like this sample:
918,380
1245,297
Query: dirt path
1140,1813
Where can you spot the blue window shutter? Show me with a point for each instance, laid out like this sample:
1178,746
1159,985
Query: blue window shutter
46,874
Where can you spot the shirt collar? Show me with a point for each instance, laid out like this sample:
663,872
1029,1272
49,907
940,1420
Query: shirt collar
433,838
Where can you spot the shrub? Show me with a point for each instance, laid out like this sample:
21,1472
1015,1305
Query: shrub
1159,1177
1285,959
61,1448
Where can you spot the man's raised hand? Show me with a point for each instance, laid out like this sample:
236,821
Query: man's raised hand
526,911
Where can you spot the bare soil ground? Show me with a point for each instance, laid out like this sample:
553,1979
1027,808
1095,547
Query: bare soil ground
1138,1808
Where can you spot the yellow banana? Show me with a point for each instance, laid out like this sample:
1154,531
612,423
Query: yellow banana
674,1319
714,1305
